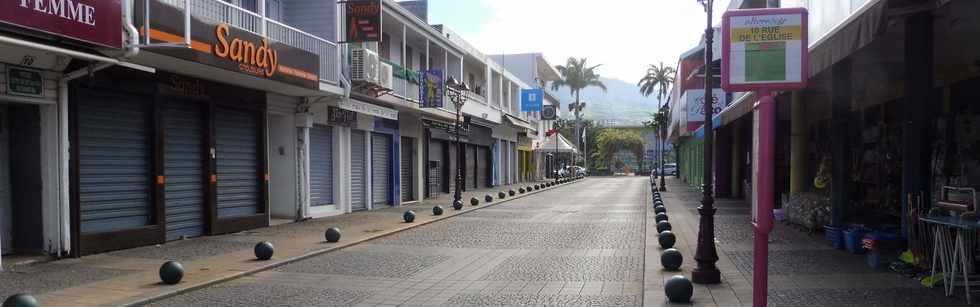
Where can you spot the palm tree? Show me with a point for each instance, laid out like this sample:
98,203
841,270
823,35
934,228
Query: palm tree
577,75
659,78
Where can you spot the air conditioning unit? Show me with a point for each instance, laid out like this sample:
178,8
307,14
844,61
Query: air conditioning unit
385,75
365,65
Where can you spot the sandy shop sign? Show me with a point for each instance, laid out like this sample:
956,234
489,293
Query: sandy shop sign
97,22
764,49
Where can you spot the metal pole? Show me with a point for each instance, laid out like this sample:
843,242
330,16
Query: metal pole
765,165
662,131
706,256
459,169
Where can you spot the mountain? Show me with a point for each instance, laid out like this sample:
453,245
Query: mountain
621,105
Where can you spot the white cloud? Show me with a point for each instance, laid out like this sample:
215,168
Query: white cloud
623,35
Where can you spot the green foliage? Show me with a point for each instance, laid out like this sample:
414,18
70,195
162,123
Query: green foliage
577,75
611,141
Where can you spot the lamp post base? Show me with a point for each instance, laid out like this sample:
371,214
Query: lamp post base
706,275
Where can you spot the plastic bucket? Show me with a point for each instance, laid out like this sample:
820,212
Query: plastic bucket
852,240
835,236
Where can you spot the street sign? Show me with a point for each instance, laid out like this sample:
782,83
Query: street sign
431,89
532,100
25,82
549,112
764,49
341,117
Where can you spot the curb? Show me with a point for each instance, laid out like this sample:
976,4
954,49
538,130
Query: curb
192,287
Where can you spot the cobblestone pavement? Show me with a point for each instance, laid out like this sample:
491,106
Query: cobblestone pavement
577,245
803,269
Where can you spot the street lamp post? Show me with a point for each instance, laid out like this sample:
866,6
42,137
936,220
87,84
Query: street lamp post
663,138
457,93
706,256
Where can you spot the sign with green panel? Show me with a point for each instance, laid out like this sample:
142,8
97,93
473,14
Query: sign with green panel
25,82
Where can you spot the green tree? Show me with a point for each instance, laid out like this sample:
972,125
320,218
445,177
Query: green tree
659,79
611,141
577,75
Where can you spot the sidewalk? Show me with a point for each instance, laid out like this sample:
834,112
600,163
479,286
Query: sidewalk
131,276
803,269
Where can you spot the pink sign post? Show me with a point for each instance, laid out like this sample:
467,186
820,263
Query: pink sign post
764,50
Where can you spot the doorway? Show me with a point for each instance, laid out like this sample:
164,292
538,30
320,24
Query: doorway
20,180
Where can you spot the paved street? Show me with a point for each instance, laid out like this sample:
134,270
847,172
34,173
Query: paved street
577,245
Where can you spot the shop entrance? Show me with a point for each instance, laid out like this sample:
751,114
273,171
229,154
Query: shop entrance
20,180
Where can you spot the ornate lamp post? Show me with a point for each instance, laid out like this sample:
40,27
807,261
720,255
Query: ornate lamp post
706,256
457,93
662,134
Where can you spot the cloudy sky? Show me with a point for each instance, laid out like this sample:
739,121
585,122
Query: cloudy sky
623,35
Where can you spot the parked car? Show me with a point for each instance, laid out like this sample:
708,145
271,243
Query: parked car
670,169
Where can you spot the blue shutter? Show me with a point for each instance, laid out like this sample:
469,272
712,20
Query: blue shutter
184,170
321,165
237,157
114,171
358,170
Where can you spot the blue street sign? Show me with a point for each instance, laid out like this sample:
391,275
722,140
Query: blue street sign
431,89
532,100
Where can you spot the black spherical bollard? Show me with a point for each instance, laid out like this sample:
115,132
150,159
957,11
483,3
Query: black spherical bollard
20,300
409,216
437,210
679,289
171,272
501,195
474,201
666,239
264,250
537,187
663,226
671,259
658,201
512,193
660,209
661,217
458,205
488,198
332,234
521,190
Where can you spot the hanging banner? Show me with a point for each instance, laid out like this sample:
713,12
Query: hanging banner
363,21
97,22
532,100
695,106
431,89
764,49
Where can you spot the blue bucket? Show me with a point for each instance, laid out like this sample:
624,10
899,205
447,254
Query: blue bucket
852,239
835,236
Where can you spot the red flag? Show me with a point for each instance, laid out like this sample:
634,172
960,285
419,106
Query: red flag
551,132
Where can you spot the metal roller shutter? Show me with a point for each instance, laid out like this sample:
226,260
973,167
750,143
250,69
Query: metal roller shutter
237,157
380,169
358,171
504,161
482,167
436,167
113,162
184,170
321,165
470,167
408,169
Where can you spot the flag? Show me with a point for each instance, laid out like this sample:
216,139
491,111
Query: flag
551,132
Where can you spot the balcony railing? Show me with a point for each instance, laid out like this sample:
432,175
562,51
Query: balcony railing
474,97
239,17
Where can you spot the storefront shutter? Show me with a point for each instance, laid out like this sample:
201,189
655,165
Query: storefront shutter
358,170
113,162
407,169
321,165
380,169
482,167
436,167
237,157
470,167
184,169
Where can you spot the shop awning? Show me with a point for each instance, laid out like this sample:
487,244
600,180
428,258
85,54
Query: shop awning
517,122
564,146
